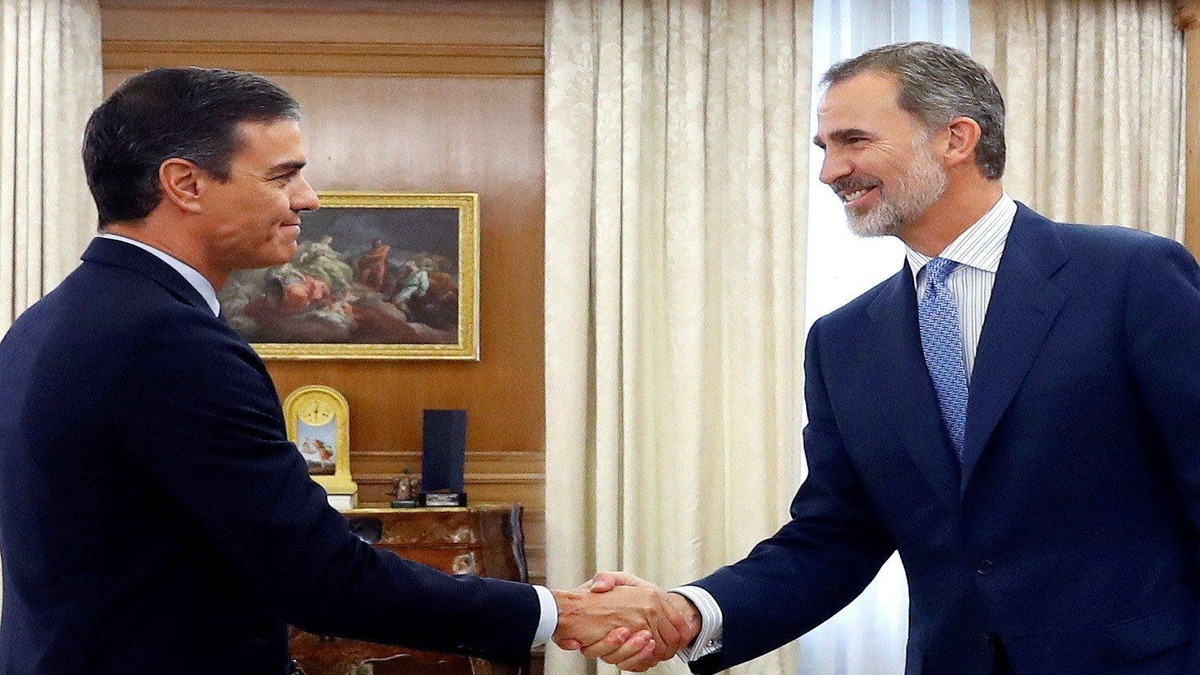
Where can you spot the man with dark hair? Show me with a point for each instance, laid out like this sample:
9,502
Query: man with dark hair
138,128
154,517
1016,411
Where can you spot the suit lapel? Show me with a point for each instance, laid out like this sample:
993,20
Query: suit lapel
1022,309
894,346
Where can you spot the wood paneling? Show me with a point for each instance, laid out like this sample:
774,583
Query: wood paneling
1187,15
434,22
337,58
405,97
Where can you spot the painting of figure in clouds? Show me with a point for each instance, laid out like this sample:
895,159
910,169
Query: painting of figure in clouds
374,276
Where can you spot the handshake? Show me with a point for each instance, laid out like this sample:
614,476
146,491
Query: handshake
624,620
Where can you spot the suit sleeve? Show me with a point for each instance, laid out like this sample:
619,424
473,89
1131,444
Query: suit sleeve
1162,331
817,563
200,415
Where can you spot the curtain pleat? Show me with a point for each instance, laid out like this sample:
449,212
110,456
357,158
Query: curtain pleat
676,169
50,80
1095,104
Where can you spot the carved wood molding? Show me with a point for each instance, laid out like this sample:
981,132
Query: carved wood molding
469,479
477,462
1186,14
483,455
328,58
1187,18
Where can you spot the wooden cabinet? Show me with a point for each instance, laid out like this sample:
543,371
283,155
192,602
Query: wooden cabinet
485,540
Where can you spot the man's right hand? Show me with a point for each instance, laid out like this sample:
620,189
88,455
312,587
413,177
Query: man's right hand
633,625
626,648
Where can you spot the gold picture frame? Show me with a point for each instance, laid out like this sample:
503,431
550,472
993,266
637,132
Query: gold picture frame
376,276
318,422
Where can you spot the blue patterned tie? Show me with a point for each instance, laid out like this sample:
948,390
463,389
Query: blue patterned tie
942,343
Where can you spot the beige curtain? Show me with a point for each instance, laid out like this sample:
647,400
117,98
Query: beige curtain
676,169
50,80
1094,91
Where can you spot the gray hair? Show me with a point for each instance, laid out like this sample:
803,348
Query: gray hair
937,84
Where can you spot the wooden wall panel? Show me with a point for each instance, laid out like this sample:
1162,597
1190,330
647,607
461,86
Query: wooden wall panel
379,117
505,23
1187,18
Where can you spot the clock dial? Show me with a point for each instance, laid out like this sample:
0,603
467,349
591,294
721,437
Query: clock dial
316,411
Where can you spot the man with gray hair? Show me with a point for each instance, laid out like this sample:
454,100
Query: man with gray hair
1016,411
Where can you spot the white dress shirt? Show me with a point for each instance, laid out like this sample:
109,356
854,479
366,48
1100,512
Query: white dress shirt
548,617
977,251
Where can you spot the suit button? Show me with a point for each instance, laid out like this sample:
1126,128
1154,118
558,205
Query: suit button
985,640
985,566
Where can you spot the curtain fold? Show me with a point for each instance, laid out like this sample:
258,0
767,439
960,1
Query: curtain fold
50,80
676,166
1094,95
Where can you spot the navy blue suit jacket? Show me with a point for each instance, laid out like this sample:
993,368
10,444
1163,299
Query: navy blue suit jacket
154,517
1069,530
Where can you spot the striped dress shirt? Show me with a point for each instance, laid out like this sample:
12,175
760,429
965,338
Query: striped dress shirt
977,251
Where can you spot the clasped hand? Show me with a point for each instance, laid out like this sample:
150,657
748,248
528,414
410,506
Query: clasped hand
624,620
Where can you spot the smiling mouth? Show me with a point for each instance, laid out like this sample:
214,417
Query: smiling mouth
850,197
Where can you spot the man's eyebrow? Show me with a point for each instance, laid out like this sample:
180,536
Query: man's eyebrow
287,167
842,136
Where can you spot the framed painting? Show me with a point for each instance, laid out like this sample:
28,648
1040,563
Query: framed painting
376,276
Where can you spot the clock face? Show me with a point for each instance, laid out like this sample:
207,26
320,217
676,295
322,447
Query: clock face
317,420
316,411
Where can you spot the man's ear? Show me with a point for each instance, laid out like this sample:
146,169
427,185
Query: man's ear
964,134
181,182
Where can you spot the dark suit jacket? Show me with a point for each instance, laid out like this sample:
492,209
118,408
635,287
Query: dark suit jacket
154,517
1069,531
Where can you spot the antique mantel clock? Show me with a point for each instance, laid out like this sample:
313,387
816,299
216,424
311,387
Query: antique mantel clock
318,422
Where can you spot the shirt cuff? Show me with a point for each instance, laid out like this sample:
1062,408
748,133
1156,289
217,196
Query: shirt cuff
549,618
708,641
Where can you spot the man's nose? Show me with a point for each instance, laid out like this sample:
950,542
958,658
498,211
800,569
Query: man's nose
306,197
833,167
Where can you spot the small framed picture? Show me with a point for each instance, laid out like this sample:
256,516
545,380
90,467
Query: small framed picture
318,422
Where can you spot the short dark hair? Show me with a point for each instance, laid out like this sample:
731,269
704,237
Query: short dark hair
188,113
938,83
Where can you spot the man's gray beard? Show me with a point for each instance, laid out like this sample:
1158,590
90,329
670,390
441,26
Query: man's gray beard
914,193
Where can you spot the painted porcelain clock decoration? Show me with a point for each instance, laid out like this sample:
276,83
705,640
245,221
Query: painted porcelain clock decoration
318,422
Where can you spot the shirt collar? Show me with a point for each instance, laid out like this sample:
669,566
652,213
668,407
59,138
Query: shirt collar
189,274
979,246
